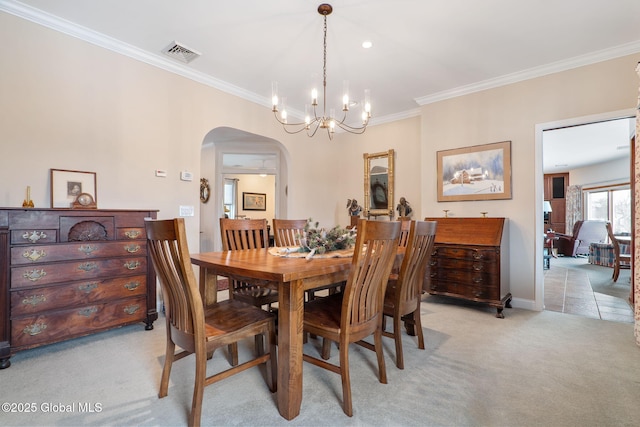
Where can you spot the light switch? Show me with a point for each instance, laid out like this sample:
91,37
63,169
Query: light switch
186,211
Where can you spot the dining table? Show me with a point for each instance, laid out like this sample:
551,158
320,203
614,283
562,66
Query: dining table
292,276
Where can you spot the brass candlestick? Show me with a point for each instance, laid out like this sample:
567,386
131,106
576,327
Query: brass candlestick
28,203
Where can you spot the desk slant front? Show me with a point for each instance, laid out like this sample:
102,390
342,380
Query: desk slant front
468,261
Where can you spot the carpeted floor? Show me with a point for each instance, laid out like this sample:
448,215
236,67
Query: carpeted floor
528,369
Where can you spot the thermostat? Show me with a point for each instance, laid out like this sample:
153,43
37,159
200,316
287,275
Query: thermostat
186,176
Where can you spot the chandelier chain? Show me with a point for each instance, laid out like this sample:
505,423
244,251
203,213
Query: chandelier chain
324,70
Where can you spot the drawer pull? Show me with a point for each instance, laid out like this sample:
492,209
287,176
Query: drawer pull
34,275
130,309
87,250
478,267
34,236
477,280
132,249
132,285
87,287
88,266
477,255
35,329
86,312
34,254
132,265
34,300
132,234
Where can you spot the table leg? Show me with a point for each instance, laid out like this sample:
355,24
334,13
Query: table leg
208,286
290,315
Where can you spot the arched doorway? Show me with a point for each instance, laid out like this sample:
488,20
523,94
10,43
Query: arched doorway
229,152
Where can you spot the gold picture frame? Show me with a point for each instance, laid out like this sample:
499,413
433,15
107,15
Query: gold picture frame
378,183
480,172
67,185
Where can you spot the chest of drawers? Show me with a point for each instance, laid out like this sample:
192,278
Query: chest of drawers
70,272
468,261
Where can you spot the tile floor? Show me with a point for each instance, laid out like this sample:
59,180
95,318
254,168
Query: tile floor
567,290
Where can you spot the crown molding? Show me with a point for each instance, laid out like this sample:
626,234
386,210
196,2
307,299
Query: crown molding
555,67
74,30
67,27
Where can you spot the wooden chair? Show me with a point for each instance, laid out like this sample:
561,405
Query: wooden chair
287,232
240,234
403,294
620,260
194,329
356,312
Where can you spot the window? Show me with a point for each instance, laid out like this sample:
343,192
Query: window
610,204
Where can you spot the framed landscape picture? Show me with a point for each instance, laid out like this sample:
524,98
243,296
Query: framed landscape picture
480,172
254,201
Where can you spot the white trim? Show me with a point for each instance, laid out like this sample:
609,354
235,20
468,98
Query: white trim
539,192
56,23
555,67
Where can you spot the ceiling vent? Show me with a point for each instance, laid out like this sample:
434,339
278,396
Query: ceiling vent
180,52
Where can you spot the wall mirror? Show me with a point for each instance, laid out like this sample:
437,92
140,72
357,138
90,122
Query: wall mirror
378,184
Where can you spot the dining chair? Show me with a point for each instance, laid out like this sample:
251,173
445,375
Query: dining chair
620,260
240,234
356,312
403,293
193,328
287,233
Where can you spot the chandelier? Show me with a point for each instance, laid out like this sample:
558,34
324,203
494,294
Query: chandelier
313,122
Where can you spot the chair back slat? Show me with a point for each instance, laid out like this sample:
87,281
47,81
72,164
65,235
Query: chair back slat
167,245
287,232
418,251
404,231
374,254
240,234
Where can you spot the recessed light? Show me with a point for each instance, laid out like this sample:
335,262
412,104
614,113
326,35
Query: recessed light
367,44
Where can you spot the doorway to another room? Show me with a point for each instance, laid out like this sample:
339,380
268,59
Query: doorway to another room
592,157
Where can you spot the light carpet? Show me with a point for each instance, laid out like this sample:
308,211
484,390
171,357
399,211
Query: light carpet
529,369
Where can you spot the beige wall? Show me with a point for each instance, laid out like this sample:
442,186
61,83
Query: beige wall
511,113
67,104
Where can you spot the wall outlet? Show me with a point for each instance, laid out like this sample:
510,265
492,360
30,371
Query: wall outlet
187,211
186,176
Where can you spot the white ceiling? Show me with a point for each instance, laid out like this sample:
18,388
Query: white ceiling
423,50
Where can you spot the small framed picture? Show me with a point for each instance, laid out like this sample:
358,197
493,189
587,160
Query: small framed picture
254,201
67,185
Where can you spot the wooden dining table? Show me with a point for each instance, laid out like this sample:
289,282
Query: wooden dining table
292,276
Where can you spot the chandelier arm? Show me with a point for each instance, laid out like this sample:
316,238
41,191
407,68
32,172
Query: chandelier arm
351,129
317,122
275,114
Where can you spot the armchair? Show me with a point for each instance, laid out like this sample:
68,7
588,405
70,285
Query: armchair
584,233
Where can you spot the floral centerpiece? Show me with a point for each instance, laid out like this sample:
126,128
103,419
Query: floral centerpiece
319,240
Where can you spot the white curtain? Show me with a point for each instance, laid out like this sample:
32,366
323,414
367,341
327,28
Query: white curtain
573,212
